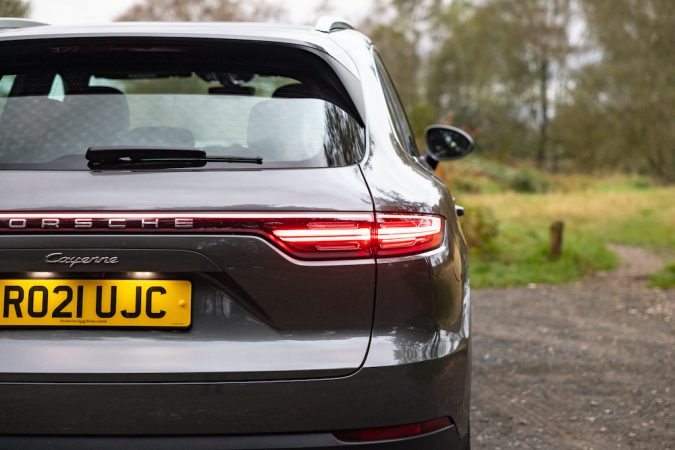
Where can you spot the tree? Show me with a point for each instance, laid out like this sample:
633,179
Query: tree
474,72
396,27
202,10
14,8
621,110
498,64
399,52
540,29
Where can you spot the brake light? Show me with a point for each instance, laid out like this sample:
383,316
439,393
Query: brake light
319,235
389,235
395,432
325,239
406,234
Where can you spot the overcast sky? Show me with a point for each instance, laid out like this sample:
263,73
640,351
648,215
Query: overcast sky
93,11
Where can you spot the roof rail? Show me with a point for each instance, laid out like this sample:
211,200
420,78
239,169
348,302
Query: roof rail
328,24
13,22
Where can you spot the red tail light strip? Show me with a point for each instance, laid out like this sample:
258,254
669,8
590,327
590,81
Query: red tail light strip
398,233
318,235
344,237
395,432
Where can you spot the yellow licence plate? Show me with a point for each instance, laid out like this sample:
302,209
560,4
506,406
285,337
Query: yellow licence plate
95,303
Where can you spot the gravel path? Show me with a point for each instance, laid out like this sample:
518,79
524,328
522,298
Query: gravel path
589,365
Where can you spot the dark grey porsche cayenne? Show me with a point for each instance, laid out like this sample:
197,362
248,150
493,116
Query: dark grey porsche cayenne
222,236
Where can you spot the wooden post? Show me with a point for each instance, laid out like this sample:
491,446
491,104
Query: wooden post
556,239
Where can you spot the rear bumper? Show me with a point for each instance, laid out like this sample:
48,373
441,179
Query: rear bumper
446,439
372,397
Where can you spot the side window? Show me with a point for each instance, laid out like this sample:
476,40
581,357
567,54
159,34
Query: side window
6,82
396,109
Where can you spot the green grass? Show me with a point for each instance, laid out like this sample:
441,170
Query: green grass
637,217
648,228
519,256
665,278
596,211
476,175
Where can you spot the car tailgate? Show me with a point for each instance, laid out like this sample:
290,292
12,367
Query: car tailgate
258,312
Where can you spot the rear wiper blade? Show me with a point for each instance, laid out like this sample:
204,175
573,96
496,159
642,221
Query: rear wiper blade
122,157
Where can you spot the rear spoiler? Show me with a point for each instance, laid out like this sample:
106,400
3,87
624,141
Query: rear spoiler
10,23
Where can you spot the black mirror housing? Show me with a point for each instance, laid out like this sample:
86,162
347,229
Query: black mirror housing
445,143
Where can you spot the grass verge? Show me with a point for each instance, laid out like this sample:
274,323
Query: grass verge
665,278
520,256
622,210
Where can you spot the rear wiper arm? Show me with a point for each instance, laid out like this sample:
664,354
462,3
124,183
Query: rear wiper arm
121,157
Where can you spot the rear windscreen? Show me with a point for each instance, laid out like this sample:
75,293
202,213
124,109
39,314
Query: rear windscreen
279,103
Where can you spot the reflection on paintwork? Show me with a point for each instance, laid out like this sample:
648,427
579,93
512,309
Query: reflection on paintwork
219,306
333,189
407,346
466,311
126,355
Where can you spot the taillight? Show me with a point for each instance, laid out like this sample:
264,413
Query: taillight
319,235
395,432
339,237
389,235
402,234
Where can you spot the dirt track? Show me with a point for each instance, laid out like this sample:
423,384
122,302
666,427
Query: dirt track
589,365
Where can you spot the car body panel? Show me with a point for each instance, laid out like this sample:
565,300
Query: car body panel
243,328
237,190
423,301
361,400
445,439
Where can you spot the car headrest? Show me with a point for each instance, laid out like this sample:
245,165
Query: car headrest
99,104
23,126
92,116
287,129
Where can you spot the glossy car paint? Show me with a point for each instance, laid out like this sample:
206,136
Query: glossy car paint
395,351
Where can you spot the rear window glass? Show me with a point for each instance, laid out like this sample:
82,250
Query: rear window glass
285,106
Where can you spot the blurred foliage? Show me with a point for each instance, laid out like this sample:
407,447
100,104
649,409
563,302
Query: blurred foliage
520,257
606,210
571,85
477,175
528,180
202,10
665,278
616,209
480,228
14,8
620,110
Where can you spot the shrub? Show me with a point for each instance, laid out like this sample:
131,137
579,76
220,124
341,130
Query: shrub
480,228
642,183
665,278
529,180
468,185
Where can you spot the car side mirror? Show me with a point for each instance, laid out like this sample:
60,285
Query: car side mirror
446,143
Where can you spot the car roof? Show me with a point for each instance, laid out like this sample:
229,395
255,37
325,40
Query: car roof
327,42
